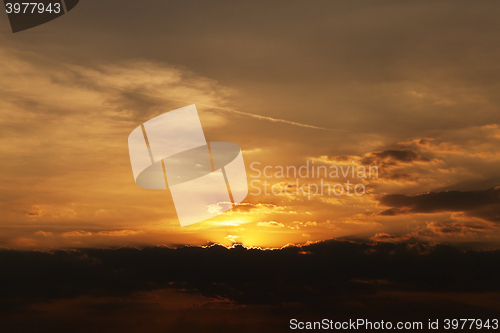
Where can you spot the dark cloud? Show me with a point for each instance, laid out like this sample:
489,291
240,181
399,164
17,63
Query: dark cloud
314,274
458,228
393,157
402,176
384,237
434,230
484,204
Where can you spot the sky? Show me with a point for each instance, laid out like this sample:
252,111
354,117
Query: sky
408,89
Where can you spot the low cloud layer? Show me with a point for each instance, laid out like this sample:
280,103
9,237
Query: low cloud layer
317,273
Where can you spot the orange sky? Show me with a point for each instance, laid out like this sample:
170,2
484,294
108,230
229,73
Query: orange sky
426,116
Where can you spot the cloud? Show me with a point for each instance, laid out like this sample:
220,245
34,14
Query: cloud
114,233
118,233
461,228
385,237
232,238
484,204
49,211
245,275
44,233
262,208
403,166
70,122
76,233
429,145
393,157
454,229
273,224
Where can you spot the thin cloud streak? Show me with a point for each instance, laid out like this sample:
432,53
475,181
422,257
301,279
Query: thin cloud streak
237,112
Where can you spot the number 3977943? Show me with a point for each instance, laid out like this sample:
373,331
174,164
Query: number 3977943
32,8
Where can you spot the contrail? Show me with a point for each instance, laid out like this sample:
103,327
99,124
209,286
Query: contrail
276,120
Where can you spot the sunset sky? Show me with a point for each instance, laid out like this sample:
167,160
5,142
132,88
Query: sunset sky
408,87
369,84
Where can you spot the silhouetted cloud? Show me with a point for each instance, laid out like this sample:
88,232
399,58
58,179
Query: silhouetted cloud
484,204
316,273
